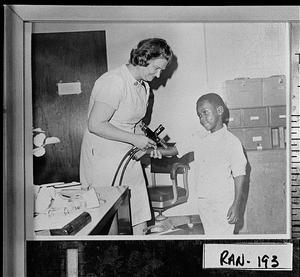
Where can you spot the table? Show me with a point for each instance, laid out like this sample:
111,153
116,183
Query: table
113,217
114,214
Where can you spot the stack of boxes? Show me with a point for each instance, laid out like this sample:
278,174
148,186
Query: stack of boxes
257,111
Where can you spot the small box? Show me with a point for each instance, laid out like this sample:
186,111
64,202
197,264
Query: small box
255,117
69,88
274,90
275,137
257,138
282,137
277,116
234,120
239,134
243,92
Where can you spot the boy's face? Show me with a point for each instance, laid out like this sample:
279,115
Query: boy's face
210,117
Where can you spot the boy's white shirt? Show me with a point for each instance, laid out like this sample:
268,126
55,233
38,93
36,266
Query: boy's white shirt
218,158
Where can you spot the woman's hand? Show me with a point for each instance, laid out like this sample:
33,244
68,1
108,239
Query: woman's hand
143,143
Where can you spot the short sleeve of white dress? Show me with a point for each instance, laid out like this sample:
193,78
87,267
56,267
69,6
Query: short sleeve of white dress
108,90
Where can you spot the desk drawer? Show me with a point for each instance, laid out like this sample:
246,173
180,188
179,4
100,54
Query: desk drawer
239,133
244,92
255,117
277,116
255,137
234,119
274,90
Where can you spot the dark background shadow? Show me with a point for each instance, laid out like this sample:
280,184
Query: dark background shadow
240,224
165,75
158,82
226,116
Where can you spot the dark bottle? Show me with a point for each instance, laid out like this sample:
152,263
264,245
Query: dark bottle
154,135
159,129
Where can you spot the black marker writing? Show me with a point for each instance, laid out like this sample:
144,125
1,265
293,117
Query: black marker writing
227,259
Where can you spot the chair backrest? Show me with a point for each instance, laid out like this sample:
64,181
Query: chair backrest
164,165
172,166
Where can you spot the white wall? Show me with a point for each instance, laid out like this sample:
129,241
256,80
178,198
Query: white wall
13,147
207,55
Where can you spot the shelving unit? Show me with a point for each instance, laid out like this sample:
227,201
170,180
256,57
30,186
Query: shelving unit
257,116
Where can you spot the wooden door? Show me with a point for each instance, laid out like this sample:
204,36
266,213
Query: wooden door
63,57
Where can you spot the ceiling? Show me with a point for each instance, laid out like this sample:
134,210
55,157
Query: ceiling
36,13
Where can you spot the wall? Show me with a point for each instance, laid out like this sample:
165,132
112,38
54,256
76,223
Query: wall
13,146
207,55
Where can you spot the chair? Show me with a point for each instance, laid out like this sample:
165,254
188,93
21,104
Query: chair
163,197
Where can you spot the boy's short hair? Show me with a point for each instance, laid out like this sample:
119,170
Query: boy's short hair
216,101
213,98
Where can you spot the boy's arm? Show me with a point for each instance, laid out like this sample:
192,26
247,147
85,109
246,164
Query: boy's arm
233,214
158,152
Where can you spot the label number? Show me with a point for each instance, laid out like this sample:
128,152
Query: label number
265,260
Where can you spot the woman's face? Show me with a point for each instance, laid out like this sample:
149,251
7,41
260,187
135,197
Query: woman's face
153,69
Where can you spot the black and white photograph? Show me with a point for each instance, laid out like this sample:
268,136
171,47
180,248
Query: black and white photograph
135,145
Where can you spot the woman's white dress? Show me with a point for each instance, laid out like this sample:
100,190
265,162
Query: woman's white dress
100,157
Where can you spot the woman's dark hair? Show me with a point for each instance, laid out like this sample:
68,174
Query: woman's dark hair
148,49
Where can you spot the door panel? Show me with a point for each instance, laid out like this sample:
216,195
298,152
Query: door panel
63,57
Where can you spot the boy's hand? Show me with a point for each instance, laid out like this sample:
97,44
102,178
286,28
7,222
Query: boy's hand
155,154
233,214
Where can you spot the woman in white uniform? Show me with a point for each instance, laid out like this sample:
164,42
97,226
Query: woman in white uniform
117,104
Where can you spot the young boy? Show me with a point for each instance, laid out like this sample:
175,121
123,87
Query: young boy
220,167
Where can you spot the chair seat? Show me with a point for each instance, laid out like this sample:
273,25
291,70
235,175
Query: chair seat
164,193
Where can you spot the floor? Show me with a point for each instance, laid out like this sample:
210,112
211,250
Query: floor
177,225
